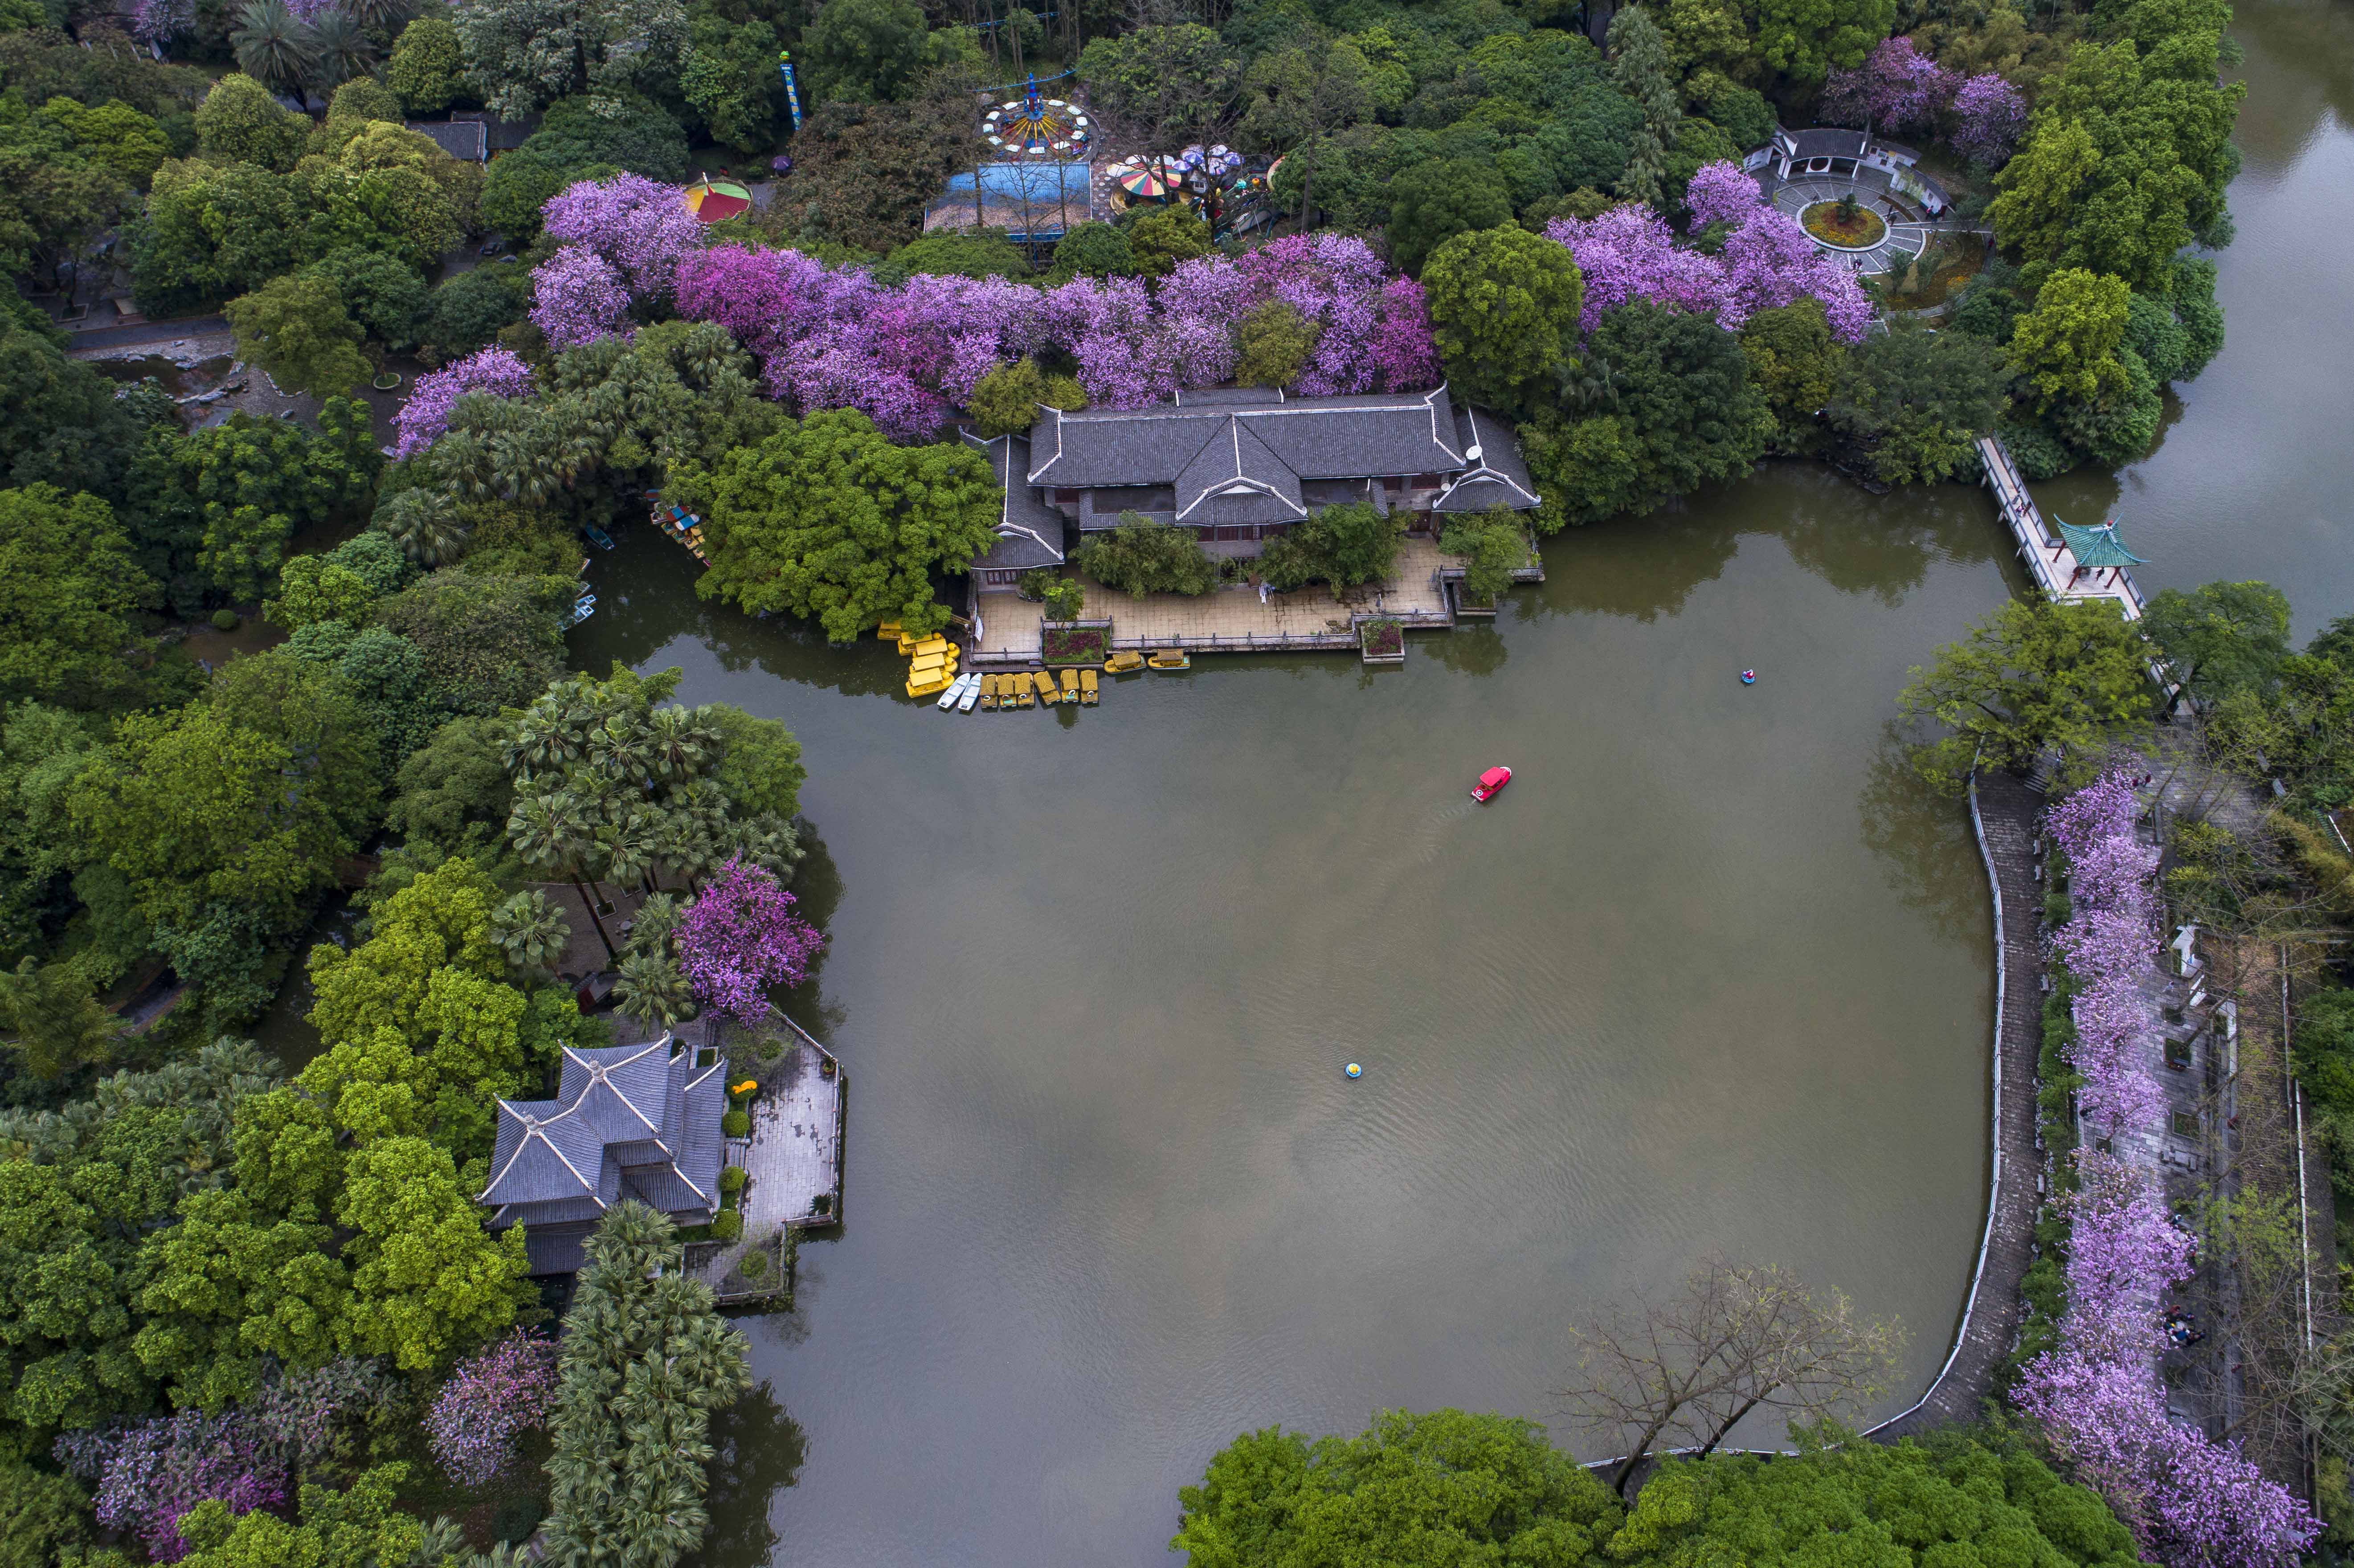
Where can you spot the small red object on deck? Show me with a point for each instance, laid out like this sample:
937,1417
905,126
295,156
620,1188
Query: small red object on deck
1495,779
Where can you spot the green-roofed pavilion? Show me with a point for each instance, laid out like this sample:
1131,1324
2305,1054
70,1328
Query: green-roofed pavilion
2097,547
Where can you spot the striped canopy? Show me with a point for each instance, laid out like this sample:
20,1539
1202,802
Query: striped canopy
714,200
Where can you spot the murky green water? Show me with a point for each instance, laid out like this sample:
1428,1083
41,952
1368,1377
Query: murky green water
1709,976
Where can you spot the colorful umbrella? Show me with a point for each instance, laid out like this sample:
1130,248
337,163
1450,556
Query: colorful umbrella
714,200
1143,184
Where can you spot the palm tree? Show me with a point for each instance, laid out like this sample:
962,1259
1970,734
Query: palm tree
344,50
551,833
424,523
533,932
652,990
628,847
686,846
383,16
275,46
767,841
681,741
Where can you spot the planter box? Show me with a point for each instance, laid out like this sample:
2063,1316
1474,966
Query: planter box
1381,641
1073,642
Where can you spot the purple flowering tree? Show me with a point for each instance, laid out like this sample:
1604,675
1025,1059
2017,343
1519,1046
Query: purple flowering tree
577,298
426,415
1898,88
739,937
1988,115
2187,1501
158,22
492,1399
1628,252
641,226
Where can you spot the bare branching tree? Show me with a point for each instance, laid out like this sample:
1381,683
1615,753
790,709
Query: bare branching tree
1736,1338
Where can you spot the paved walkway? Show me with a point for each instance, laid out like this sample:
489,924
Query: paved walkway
2048,557
1907,234
2004,817
1231,618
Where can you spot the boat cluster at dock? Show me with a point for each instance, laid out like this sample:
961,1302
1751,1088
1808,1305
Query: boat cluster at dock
932,673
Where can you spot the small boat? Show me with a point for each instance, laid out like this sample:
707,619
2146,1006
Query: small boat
1490,782
596,536
583,607
1089,693
928,683
889,631
1124,664
989,689
1048,693
1070,685
1170,659
972,694
955,692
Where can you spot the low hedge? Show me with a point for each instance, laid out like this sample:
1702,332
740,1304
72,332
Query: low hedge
735,1124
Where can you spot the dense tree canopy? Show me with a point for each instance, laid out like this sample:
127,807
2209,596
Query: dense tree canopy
2036,676
828,519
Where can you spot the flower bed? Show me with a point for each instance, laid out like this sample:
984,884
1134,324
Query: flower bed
1074,644
1381,639
1861,231
2098,1395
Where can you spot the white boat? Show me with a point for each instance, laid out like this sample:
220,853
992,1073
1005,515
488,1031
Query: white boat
971,694
956,690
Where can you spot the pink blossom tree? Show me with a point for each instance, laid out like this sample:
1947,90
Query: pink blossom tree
641,226
1988,114
492,1399
739,937
1898,88
1628,252
577,298
494,372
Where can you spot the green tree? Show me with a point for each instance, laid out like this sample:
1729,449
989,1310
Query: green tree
1176,80
1639,68
1674,408
1142,557
246,796
1301,92
2126,158
313,589
237,491
230,1284
646,1360
296,329
43,1518
1092,250
52,1021
1503,311
1445,1487
60,421
359,1528
427,65
759,767
67,590
468,312
829,519
1166,236
2223,637
1918,400
1794,361
523,55
864,51
1005,401
2034,678
488,642
55,200
364,98
1494,543
383,294
115,136
427,1282
1344,546
980,253
1438,199
1271,345
2066,347
729,77
1804,39
454,792
276,48
240,122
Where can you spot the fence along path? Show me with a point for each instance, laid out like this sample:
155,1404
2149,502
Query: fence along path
2048,559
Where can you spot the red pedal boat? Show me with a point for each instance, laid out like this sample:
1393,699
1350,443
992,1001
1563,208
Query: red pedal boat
1490,782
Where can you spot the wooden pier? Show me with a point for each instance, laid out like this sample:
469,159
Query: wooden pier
2050,560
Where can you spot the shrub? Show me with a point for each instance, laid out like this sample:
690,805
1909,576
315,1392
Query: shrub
735,1124
513,1520
727,1225
1142,557
731,1179
227,621
1066,600
752,1265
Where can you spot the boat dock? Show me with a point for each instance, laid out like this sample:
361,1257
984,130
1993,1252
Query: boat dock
2056,559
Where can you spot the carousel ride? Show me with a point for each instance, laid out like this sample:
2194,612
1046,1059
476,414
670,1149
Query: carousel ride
1216,182
1036,126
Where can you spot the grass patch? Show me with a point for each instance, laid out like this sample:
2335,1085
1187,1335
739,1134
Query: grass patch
1937,274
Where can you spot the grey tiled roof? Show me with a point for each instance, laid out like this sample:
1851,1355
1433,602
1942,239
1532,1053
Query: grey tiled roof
1235,471
1316,438
459,138
1498,477
1029,532
627,1120
1825,141
501,135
